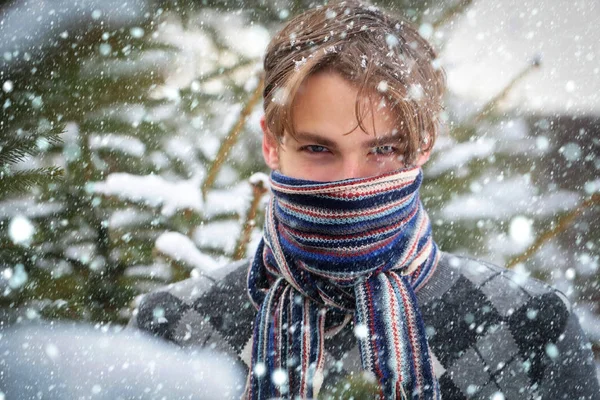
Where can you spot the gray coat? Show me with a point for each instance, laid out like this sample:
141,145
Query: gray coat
490,330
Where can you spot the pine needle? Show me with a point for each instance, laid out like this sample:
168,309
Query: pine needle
14,149
21,181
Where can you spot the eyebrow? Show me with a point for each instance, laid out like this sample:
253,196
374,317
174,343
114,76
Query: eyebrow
323,141
382,140
313,137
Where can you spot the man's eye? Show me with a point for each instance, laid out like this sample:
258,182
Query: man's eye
313,148
384,150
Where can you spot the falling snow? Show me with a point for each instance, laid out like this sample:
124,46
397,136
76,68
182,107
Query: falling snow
147,97
21,230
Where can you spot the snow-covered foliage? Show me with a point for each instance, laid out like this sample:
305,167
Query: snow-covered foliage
63,361
148,93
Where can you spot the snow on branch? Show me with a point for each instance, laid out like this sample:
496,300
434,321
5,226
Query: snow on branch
180,248
153,190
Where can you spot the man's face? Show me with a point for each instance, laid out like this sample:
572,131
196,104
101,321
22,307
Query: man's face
330,145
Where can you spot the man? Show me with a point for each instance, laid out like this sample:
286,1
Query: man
348,277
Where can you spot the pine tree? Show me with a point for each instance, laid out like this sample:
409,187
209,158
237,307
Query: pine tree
123,122
68,268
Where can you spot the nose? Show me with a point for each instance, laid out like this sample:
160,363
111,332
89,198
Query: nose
353,167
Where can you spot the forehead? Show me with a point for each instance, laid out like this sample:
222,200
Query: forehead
327,103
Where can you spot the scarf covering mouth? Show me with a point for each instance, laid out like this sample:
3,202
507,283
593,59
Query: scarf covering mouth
361,247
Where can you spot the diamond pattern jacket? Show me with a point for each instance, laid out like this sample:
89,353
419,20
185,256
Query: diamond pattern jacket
493,333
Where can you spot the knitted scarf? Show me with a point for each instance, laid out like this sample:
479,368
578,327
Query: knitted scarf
361,247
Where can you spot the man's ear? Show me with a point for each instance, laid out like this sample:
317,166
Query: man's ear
270,147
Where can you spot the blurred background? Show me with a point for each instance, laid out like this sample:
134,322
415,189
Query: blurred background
130,144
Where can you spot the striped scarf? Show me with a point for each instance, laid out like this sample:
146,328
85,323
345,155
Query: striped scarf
361,247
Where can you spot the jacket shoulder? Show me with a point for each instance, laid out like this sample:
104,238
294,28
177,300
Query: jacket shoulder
491,328
488,295
176,312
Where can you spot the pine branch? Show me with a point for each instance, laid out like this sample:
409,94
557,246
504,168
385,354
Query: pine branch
493,103
560,226
231,138
258,190
21,181
451,12
220,72
16,148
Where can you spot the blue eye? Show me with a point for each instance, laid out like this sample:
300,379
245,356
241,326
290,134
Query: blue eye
384,150
313,148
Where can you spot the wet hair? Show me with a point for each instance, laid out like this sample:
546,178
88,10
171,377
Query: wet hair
382,55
